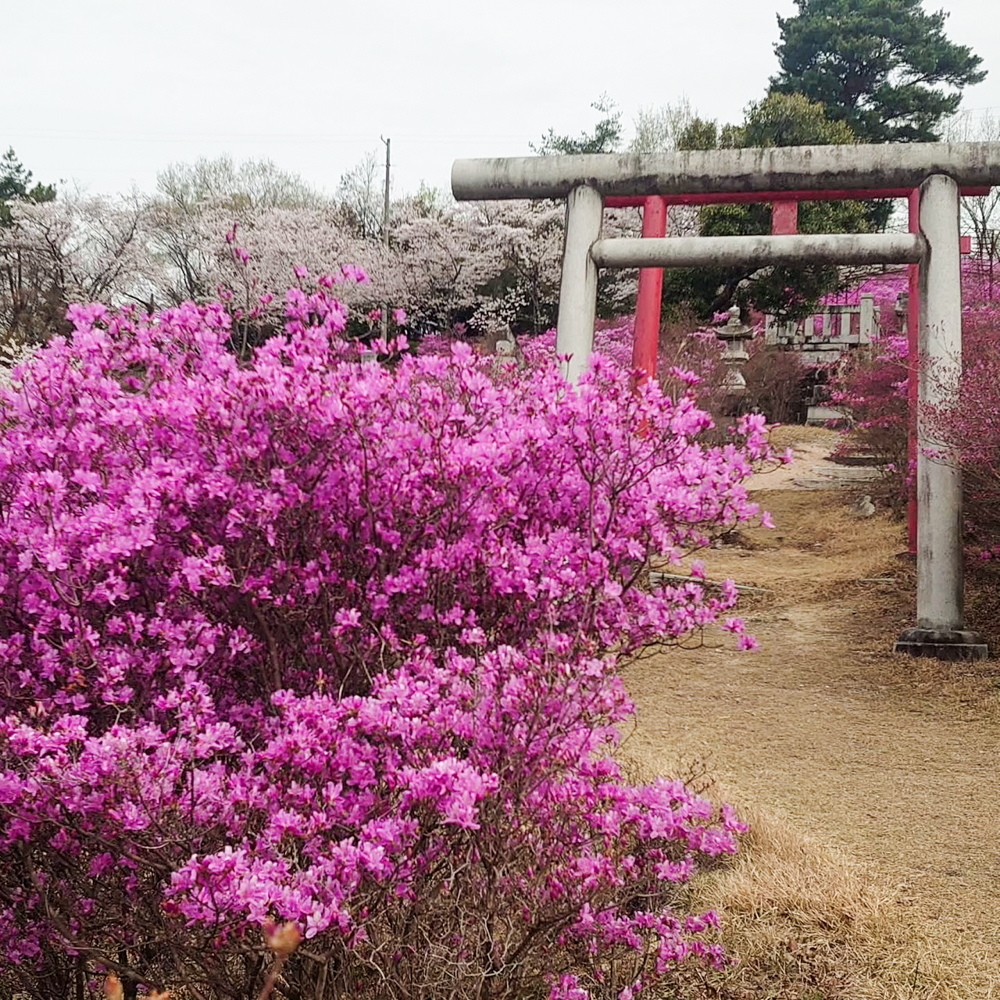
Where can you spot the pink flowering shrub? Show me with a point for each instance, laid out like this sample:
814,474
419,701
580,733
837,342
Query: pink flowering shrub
688,358
689,362
295,639
871,386
885,289
970,429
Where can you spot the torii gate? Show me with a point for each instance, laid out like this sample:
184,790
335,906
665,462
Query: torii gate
785,175
784,222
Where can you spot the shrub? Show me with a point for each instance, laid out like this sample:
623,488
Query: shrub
871,385
969,431
298,639
775,382
688,356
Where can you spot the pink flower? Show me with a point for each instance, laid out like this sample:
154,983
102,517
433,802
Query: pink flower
684,375
352,272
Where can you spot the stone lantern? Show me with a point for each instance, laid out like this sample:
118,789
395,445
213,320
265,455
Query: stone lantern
734,334
903,312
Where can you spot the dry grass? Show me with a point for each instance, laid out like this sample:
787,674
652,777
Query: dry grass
872,868
795,435
982,600
805,920
809,527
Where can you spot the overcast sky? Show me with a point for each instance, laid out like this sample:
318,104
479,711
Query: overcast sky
105,93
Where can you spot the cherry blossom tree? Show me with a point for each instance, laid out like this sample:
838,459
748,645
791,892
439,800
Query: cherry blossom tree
70,249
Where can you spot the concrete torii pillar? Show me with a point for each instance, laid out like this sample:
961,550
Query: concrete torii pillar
578,286
940,630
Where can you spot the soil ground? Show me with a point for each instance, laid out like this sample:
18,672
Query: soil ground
892,760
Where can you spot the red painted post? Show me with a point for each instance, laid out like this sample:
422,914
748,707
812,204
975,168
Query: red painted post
646,337
784,218
913,342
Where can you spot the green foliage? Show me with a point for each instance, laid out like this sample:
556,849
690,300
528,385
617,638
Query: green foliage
15,181
795,120
880,66
605,138
14,178
778,120
787,120
699,134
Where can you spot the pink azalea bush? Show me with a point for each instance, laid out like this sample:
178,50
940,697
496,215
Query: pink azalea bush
969,430
697,350
885,289
689,362
294,639
873,388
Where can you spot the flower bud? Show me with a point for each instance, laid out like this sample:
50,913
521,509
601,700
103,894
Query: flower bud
282,940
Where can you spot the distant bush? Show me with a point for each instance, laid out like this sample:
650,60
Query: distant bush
872,386
775,382
969,430
689,361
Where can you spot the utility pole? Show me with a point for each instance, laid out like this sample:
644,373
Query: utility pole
385,237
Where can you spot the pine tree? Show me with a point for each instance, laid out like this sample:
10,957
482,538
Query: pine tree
14,181
884,67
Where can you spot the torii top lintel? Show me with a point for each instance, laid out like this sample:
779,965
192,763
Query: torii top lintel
795,172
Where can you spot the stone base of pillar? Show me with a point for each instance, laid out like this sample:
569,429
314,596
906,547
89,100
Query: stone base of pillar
942,644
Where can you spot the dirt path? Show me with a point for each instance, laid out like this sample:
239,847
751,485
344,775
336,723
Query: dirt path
893,760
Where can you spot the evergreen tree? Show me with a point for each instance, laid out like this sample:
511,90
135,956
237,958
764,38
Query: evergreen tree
884,67
605,138
14,186
778,120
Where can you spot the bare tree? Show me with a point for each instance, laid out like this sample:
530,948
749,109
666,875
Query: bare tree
253,185
79,248
361,196
658,129
981,214
187,192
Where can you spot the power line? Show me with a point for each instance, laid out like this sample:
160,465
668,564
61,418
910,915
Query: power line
100,136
